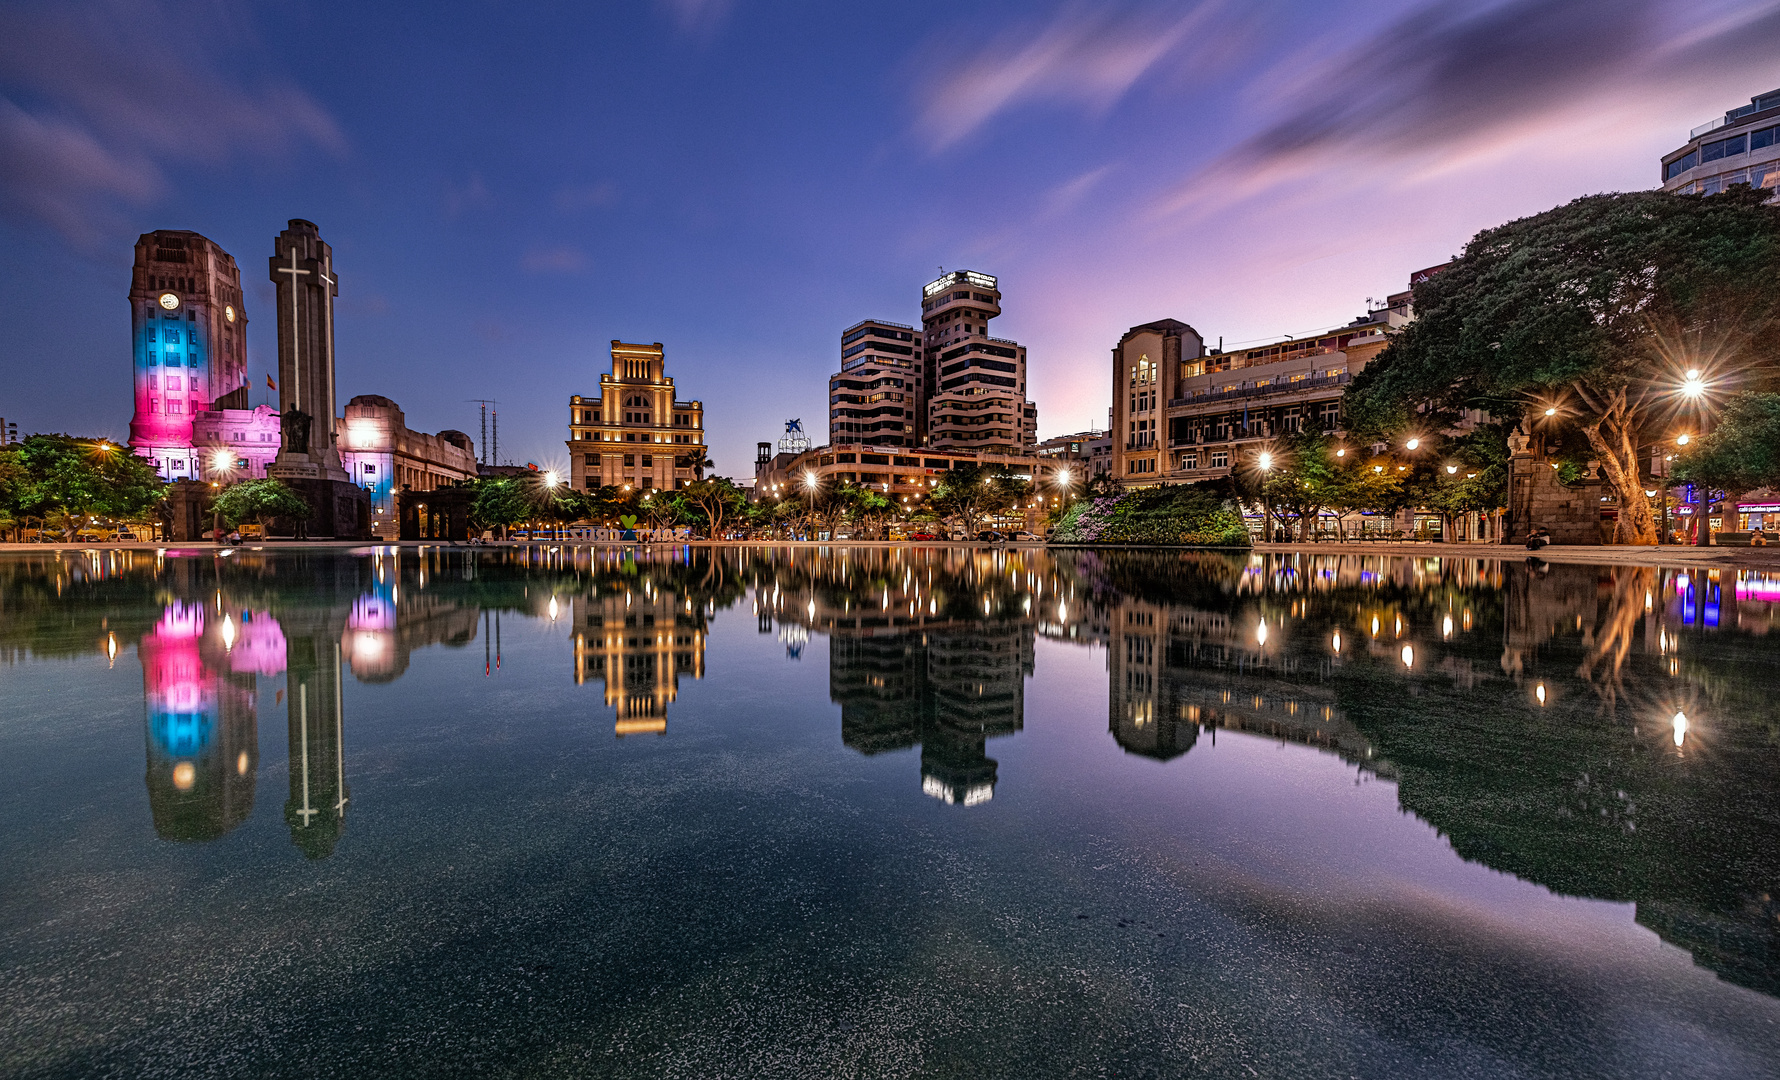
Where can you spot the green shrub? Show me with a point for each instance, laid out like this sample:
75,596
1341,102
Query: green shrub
1182,516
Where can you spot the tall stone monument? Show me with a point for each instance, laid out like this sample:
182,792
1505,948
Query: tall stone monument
303,271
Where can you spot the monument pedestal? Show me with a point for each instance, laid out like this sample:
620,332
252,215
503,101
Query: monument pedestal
338,508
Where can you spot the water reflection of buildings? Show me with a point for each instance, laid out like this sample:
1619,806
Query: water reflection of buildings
928,648
203,734
637,640
948,689
1174,672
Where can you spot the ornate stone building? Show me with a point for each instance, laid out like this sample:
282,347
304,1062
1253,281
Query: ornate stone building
189,347
635,432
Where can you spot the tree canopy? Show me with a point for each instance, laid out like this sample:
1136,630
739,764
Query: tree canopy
1594,308
1741,452
259,500
61,476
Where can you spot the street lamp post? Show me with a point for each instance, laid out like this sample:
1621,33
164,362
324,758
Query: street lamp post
1265,463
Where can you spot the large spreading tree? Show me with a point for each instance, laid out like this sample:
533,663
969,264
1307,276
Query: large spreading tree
69,481
1595,309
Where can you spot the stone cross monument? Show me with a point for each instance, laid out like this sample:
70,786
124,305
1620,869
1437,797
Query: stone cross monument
308,461
303,270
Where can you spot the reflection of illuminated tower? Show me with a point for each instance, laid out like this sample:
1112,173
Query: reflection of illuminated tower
316,809
638,640
202,731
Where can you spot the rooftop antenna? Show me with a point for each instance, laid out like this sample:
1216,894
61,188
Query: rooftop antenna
485,403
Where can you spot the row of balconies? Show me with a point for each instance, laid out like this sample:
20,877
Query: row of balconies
1240,393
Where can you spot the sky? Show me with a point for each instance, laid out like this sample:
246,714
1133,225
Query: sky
509,187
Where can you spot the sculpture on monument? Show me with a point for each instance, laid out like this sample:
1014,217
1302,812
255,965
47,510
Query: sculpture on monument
294,427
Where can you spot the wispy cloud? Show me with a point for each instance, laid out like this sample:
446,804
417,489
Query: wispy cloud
90,119
1088,56
700,18
577,197
554,260
1066,195
458,198
1451,82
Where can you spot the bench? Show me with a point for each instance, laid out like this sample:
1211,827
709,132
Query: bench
1743,539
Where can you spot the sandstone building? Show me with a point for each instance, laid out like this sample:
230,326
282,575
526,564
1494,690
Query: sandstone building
635,432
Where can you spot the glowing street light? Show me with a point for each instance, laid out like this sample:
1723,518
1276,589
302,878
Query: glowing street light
1412,444
1683,440
1692,385
1450,469
551,480
1551,411
811,480
1265,461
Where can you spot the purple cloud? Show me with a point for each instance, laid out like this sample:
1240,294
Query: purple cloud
554,260
1086,56
1450,81
89,119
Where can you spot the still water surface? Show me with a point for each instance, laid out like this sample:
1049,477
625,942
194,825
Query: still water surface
929,812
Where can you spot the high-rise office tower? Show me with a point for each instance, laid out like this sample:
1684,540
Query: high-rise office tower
190,345
876,397
947,386
974,384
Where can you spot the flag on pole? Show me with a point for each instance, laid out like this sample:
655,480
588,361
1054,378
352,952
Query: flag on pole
270,385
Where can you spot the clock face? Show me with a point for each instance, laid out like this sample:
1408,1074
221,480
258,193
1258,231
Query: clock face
229,313
169,301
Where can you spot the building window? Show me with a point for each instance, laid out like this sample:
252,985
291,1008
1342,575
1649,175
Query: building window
630,459
648,461
370,469
1189,461
1220,459
175,406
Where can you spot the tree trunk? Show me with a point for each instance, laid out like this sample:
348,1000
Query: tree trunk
1617,450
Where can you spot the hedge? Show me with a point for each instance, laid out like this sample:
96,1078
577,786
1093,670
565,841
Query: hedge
1181,516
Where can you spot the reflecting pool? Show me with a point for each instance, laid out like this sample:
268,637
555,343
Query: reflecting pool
879,812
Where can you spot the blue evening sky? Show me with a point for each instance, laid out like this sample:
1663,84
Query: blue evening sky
508,187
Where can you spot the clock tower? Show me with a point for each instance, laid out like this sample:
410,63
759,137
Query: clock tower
189,335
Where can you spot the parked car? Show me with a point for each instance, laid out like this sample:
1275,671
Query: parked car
990,536
1025,538
923,536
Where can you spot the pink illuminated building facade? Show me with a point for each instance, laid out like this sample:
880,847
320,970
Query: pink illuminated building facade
189,331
